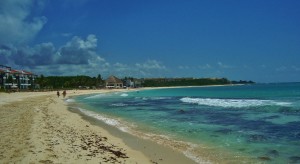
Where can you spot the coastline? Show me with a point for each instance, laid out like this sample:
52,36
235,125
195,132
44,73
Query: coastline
38,127
200,86
201,153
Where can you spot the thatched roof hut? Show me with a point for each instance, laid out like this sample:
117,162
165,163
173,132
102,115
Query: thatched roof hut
113,82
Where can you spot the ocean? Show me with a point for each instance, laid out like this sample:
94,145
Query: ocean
257,123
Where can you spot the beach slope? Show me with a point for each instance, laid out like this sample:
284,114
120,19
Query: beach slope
37,127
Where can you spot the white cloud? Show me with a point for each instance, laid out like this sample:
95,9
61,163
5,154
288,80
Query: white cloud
263,66
120,65
77,51
16,24
66,34
206,66
288,68
295,68
151,65
150,68
222,65
183,67
282,68
121,68
75,57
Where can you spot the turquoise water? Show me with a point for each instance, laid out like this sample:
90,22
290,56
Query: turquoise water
255,122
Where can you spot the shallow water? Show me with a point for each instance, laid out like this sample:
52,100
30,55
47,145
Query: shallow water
229,123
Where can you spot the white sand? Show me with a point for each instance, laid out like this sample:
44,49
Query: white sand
37,127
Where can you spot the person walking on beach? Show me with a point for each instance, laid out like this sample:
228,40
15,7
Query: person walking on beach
57,93
64,93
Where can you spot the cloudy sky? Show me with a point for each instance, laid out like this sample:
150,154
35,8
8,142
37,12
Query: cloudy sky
250,40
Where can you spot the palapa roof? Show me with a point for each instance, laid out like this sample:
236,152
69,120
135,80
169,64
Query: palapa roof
113,79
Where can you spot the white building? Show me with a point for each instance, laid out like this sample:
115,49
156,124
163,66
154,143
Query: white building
16,79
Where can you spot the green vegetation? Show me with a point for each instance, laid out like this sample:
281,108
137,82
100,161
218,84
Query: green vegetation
69,82
58,82
184,82
242,82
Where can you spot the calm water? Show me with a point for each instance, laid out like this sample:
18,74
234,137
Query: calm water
230,123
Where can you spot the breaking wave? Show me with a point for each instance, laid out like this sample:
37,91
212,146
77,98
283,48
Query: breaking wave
69,100
233,103
119,104
124,95
185,147
160,98
95,96
106,120
154,98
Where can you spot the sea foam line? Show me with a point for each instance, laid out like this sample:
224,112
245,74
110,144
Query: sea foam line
70,100
187,148
106,120
124,95
234,103
95,96
160,139
119,104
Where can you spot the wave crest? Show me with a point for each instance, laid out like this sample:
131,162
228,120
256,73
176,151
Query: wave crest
119,104
106,120
124,95
70,100
233,103
95,96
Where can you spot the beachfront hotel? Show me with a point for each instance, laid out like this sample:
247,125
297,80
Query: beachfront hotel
16,79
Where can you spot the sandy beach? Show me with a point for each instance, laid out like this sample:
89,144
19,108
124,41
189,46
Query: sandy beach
37,127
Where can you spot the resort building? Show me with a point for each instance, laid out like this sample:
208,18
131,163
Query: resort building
16,79
133,82
113,82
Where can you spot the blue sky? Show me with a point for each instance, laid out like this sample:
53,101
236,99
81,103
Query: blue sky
250,40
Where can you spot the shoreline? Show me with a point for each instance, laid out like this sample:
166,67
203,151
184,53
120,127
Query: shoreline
49,130
157,153
38,127
197,153
202,153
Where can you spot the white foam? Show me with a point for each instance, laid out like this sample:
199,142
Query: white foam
153,98
187,148
142,98
188,153
95,96
233,103
160,98
109,121
160,139
69,100
124,95
119,104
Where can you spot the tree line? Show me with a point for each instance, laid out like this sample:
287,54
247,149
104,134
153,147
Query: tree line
82,81
58,82
185,82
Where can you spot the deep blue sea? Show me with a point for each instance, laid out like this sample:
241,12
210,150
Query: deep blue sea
228,124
